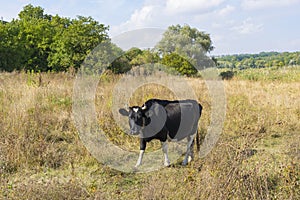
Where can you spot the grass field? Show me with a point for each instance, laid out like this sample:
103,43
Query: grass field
256,157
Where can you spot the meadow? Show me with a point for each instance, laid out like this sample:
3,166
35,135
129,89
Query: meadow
256,157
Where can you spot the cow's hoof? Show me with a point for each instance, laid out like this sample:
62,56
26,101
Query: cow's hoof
137,166
167,164
135,169
185,162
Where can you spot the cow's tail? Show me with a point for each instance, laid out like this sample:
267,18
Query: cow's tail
198,134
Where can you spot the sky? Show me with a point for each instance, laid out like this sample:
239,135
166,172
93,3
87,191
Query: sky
235,26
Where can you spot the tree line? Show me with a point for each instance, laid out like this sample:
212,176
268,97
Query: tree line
260,60
37,41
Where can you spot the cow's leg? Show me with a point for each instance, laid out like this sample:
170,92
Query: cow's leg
142,151
165,151
139,161
191,156
191,153
190,150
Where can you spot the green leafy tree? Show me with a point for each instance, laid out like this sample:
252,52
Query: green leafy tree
145,57
187,42
26,41
74,40
184,40
260,63
133,53
122,63
179,63
41,42
30,12
298,59
36,35
12,52
133,57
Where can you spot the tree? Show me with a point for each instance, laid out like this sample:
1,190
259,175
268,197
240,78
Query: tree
41,42
12,52
74,40
30,12
187,42
298,59
123,63
184,39
26,42
36,34
133,53
133,57
145,57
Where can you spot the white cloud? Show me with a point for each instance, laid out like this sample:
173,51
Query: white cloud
142,16
261,4
226,10
248,27
147,16
164,13
190,6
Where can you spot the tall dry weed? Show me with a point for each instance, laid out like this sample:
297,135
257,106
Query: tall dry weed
256,156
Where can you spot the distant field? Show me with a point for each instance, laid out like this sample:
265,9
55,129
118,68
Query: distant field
256,157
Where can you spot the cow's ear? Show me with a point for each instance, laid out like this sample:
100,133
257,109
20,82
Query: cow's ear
123,112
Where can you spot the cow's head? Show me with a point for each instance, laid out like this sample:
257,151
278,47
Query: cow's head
148,119
138,118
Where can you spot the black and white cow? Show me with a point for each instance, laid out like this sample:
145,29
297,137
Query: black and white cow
166,121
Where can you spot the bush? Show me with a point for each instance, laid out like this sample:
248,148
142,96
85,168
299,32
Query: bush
227,75
179,63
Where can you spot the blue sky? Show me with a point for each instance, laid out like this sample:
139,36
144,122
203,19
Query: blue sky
244,26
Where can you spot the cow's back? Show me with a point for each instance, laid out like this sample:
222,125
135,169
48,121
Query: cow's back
182,116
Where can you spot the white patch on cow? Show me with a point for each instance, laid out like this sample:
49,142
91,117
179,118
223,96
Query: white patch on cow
190,159
139,162
165,151
144,107
135,109
189,150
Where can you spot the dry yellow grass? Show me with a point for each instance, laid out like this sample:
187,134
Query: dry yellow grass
42,157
